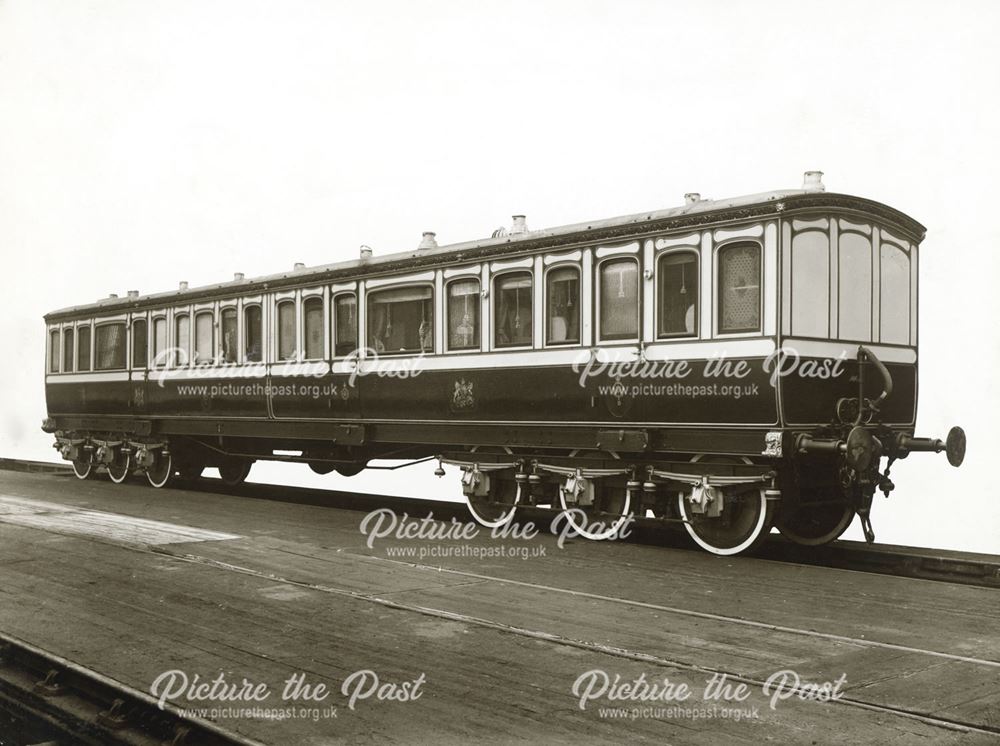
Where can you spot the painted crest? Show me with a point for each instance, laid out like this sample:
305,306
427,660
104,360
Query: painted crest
617,398
462,398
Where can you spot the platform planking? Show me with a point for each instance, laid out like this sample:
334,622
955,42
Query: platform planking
502,640
126,529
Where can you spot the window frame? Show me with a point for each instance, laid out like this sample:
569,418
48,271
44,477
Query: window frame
176,317
334,323
243,352
225,307
195,359
494,309
638,299
154,353
296,353
55,350
370,293
717,305
546,342
471,277
658,333
132,346
89,326
123,323
71,329
306,299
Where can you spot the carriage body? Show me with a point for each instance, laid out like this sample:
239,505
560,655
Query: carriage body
667,363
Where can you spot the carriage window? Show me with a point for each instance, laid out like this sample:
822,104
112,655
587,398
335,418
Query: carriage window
512,299
229,336
182,340
563,311
110,347
67,360
346,324
159,341
894,308
619,299
83,348
312,310
54,351
204,338
252,333
811,284
286,330
463,315
677,278
401,320
855,287
140,344
739,288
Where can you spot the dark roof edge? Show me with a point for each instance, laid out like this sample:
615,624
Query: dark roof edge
690,217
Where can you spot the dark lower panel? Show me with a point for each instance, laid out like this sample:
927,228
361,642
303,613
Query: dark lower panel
748,441
805,399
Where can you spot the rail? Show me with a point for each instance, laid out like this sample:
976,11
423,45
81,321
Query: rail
57,696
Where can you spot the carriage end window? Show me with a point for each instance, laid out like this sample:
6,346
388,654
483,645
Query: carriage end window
894,308
677,274
401,320
110,347
463,315
315,329
619,299
346,324
512,299
253,334
739,288
83,348
563,306
140,344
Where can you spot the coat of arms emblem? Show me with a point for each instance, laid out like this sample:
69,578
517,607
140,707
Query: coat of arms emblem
462,397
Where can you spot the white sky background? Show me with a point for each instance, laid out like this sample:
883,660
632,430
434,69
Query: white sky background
143,143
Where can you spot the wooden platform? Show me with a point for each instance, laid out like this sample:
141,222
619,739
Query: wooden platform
134,582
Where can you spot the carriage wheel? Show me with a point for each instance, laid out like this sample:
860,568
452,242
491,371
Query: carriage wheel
497,507
161,473
121,467
814,525
745,520
234,472
84,469
604,518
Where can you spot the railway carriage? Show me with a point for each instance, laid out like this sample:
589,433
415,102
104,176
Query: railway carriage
730,364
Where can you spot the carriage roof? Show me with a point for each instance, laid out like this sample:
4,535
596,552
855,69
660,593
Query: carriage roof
692,216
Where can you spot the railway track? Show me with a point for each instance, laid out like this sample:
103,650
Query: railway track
493,601
46,698
980,570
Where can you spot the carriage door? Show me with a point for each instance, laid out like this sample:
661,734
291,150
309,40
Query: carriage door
139,350
304,384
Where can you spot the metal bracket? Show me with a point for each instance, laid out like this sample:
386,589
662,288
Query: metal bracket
866,526
113,717
49,687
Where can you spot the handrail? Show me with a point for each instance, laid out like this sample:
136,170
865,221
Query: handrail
868,355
